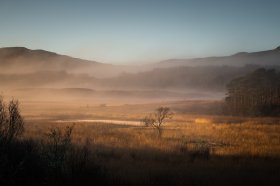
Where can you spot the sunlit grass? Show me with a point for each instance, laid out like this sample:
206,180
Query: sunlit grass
194,148
246,138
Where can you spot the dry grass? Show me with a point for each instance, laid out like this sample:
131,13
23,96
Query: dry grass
193,150
223,135
247,138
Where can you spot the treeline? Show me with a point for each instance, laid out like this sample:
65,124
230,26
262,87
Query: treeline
255,94
199,77
212,78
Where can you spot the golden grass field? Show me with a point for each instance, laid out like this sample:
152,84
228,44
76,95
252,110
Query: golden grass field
255,137
224,135
193,146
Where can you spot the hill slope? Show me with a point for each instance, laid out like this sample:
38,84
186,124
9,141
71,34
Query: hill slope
21,67
266,58
20,60
34,60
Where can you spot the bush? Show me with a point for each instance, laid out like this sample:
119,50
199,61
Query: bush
11,121
55,161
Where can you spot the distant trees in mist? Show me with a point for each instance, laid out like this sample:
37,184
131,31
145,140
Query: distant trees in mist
191,77
255,94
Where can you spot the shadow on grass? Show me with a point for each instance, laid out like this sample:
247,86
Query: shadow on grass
195,167
28,162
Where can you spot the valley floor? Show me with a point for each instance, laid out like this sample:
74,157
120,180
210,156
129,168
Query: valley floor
195,148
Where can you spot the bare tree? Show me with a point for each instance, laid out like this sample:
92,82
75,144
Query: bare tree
11,121
3,117
58,144
16,123
148,120
158,118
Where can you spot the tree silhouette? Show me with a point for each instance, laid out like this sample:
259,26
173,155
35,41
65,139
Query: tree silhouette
11,121
157,119
256,94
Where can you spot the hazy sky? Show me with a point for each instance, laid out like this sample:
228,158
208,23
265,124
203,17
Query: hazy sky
122,31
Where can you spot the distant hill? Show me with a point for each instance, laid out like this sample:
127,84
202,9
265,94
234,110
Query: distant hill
40,59
15,60
21,60
263,58
24,68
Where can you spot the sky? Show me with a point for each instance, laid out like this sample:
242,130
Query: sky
140,31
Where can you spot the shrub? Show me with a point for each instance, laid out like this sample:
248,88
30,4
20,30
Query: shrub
11,121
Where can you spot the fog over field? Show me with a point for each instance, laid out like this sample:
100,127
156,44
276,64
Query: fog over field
140,93
50,76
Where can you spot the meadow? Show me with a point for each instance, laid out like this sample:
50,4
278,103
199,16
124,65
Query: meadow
197,147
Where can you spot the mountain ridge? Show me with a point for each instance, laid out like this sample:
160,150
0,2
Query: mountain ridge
267,57
18,50
9,52
21,60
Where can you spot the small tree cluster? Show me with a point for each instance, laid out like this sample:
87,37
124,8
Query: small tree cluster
54,160
11,121
58,143
257,94
158,118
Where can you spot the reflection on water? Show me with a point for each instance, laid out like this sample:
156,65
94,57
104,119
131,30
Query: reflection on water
120,122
